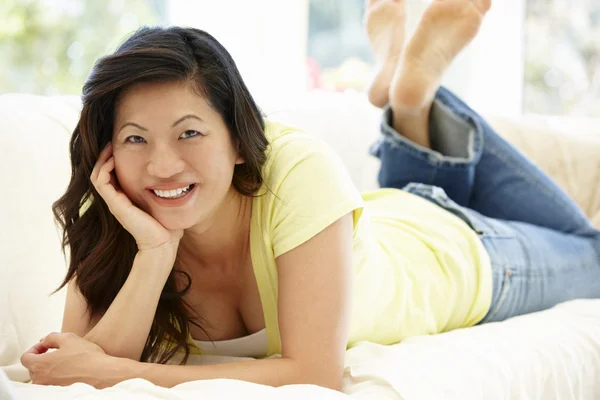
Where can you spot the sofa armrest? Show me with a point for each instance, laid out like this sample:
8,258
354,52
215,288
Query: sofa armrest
572,158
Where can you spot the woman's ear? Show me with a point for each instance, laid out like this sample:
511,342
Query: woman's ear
239,159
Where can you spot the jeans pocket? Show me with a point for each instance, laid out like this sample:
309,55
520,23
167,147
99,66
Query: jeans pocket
488,227
499,297
484,226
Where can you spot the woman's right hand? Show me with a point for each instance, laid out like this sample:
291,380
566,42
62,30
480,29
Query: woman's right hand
148,232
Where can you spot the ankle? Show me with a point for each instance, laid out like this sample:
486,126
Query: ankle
413,124
379,87
412,89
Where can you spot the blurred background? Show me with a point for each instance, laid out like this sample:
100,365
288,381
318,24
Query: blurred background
531,57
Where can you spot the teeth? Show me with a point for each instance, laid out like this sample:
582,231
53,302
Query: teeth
169,194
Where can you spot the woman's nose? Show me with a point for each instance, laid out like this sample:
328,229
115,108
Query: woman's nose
165,162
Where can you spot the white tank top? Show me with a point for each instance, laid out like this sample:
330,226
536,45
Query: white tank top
255,345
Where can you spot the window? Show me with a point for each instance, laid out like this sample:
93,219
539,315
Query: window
548,60
339,56
562,57
49,46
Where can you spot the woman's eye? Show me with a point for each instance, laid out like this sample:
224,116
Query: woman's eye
134,139
190,134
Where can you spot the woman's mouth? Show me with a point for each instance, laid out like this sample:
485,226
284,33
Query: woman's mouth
173,198
175,193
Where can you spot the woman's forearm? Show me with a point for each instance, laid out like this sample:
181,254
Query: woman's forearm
123,329
271,372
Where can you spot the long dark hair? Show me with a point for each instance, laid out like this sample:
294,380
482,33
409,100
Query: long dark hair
101,250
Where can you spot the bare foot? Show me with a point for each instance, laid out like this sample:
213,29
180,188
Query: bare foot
446,27
384,22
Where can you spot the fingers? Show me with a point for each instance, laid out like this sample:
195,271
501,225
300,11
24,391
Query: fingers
102,176
107,187
105,154
37,348
106,184
27,359
54,340
30,356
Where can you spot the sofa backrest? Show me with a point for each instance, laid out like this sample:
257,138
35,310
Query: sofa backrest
34,138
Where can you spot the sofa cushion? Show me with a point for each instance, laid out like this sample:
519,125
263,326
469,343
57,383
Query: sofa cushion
571,157
34,140
34,136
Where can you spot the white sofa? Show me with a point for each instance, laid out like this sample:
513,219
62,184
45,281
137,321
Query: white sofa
549,355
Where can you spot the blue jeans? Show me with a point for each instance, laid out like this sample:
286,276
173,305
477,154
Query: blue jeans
543,248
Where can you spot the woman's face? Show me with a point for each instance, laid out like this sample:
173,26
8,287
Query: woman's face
165,139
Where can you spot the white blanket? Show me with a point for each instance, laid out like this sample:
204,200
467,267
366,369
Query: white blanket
553,354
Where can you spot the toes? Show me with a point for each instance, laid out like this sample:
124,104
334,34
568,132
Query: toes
371,3
483,5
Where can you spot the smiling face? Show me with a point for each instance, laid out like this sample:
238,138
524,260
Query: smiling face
166,137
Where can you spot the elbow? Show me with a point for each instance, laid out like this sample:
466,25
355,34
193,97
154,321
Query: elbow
334,384
337,385
328,383
114,349
330,379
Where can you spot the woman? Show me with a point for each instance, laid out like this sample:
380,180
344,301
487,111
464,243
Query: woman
190,219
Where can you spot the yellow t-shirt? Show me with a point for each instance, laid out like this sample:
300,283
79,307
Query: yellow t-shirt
418,268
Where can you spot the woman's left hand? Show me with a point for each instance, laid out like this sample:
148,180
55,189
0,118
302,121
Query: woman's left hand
74,360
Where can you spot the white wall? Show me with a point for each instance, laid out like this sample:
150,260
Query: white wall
493,76
488,74
268,40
